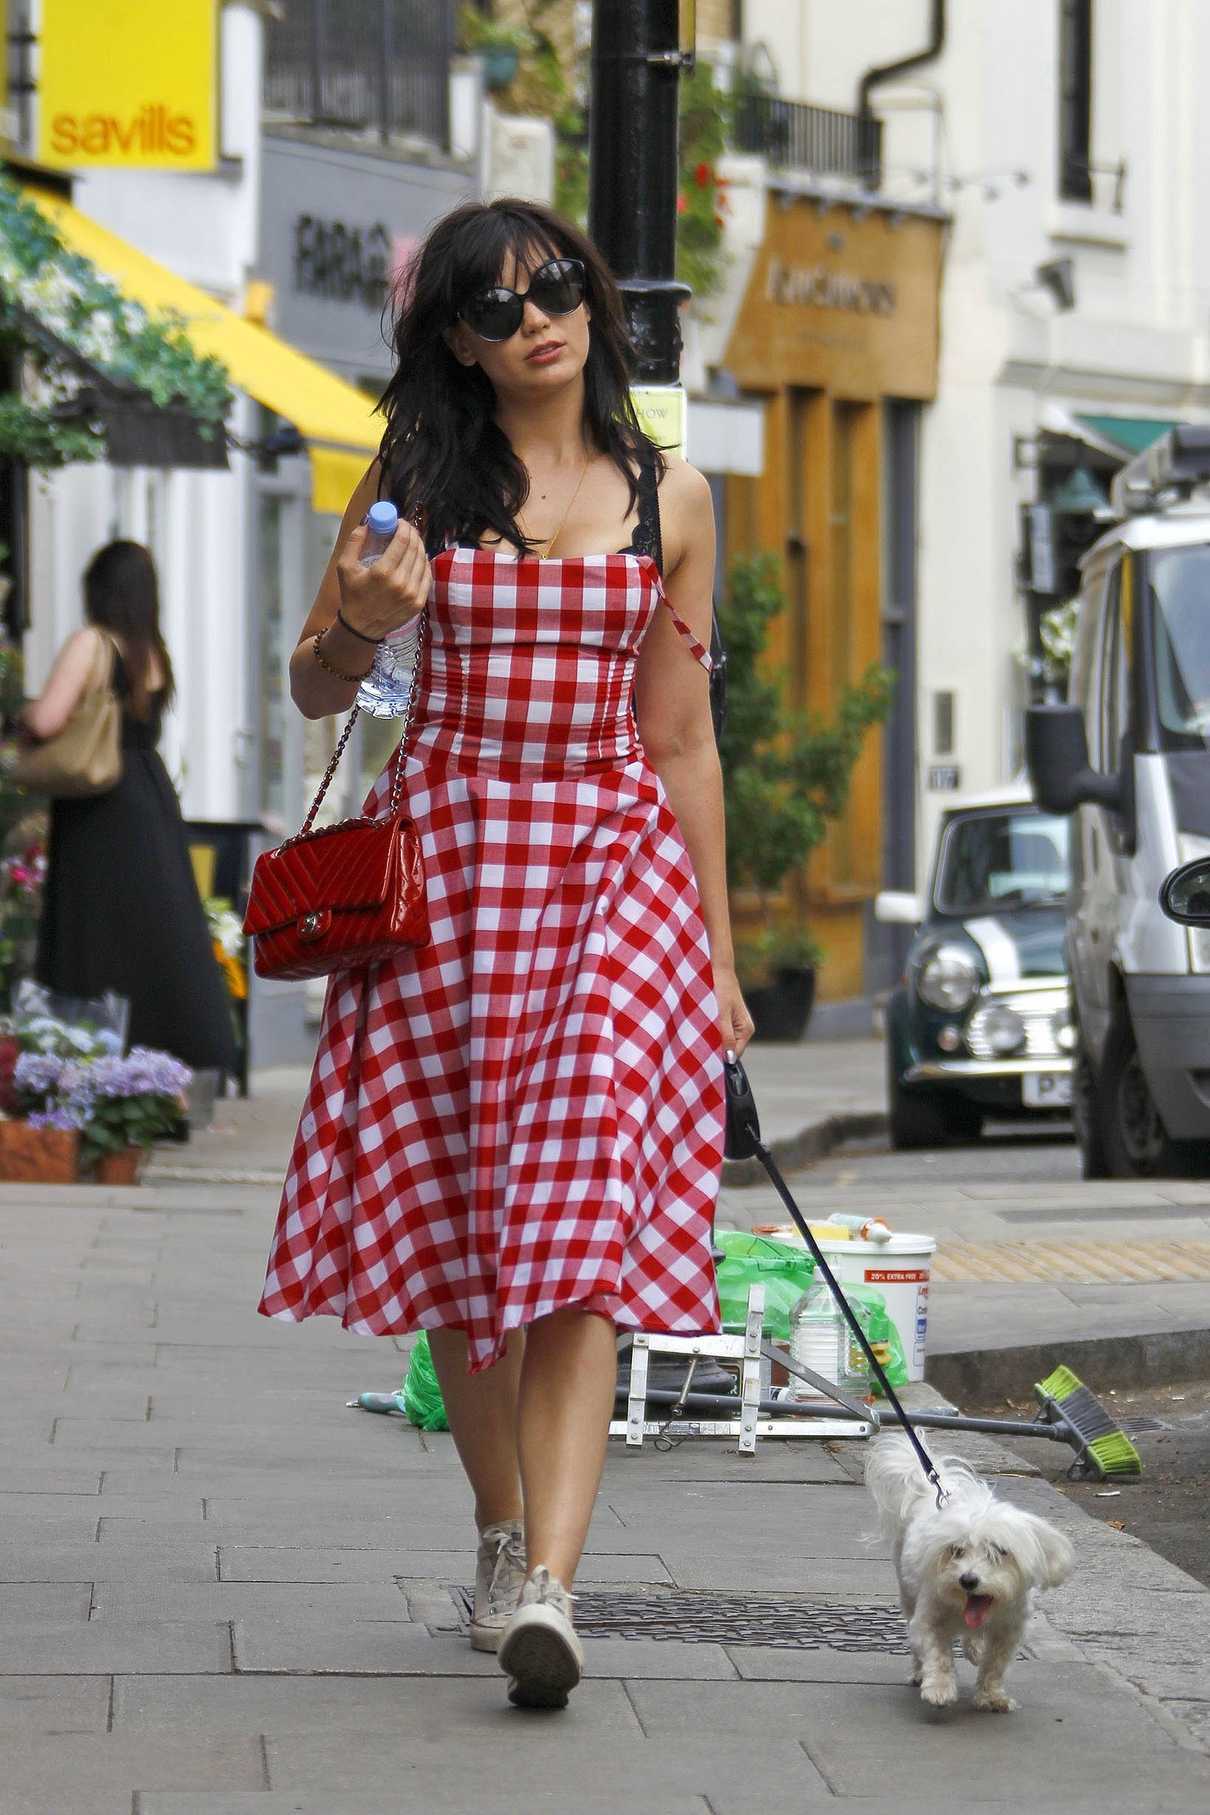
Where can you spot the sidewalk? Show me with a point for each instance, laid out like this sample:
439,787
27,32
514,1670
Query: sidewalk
225,1593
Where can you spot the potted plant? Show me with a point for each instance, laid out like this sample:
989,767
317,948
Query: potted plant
115,1108
786,776
498,46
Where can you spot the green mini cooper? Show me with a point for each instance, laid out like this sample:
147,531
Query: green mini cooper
980,1023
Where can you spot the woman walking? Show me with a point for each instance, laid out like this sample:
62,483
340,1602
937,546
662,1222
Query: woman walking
121,909
514,1135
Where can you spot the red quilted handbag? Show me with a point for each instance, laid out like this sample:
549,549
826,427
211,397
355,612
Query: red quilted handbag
345,895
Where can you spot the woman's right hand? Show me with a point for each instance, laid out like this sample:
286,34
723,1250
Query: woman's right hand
382,598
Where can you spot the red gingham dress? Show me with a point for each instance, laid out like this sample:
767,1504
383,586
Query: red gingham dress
527,1113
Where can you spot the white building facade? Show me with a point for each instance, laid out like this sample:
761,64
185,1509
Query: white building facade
1069,144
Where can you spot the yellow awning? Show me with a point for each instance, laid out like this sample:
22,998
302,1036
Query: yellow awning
335,420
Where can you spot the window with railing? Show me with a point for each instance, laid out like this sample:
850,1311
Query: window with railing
365,66
818,140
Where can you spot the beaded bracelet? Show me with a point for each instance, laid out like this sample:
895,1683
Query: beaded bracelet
353,680
353,630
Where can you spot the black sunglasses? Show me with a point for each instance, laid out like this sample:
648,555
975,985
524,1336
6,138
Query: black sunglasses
557,287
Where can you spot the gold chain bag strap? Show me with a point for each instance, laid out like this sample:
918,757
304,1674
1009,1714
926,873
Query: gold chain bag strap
343,896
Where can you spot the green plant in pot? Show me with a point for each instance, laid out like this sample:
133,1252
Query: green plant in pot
498,45
786,777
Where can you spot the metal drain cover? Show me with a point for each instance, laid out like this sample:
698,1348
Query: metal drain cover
789,1622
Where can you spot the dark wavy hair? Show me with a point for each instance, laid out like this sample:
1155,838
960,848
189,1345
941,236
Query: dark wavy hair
444,459
122,594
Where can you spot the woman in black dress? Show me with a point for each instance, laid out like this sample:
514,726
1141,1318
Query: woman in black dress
121,909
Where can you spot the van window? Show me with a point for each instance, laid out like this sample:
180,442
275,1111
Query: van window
1179,581
1117,667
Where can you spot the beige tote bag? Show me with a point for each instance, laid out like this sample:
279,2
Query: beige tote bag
86,756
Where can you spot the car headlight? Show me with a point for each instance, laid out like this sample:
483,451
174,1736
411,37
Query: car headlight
948,979
1063,1029
1004,1030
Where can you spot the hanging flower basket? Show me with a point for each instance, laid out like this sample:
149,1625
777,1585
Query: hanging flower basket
35,1155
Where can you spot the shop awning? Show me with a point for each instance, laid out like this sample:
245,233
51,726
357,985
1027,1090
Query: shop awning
1132,434
335,420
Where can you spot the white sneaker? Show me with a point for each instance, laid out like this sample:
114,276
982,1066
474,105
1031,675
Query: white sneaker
539,1649
499,1575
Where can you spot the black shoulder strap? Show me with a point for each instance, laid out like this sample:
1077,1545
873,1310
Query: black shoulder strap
647,539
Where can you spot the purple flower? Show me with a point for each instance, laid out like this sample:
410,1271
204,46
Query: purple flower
70,1119
38,1072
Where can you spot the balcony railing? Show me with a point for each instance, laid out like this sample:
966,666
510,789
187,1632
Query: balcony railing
818,140
379,66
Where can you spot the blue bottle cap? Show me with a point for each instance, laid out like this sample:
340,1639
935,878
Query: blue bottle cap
383,518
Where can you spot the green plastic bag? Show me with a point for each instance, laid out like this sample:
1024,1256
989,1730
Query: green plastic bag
880,1333
422,1399
783,1268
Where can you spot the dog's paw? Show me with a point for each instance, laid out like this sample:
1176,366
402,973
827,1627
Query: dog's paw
916,1678
994,1701
939,1695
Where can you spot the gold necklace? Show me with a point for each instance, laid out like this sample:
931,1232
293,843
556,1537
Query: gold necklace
551,540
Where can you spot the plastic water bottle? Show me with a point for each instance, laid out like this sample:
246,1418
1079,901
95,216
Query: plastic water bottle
387,688
817,1333
863,1228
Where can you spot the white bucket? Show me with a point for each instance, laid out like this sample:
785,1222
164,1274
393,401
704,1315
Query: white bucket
900,1270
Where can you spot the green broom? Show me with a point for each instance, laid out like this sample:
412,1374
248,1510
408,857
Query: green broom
1103,1448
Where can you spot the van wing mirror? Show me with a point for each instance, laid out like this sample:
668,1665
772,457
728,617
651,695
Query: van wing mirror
1056,755
1185,895
895,907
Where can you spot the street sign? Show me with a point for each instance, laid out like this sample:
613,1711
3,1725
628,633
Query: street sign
660,409
128,84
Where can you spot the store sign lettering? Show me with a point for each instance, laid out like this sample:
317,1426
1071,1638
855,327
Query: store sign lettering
343,263
815,287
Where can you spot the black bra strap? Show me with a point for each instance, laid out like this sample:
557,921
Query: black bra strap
647,539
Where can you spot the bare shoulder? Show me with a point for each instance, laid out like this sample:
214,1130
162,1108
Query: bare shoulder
686,508
83,644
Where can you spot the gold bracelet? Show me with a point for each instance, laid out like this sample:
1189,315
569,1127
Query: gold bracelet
354,680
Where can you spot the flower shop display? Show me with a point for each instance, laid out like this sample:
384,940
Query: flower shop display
22,876
116,1108
230,946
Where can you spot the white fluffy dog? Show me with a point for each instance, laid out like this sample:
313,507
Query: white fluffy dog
967,1570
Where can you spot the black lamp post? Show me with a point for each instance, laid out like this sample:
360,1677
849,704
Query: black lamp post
637,58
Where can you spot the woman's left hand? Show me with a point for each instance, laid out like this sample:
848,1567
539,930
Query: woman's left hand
736,1023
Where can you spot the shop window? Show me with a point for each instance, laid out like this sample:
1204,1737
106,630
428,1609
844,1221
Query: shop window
1075,100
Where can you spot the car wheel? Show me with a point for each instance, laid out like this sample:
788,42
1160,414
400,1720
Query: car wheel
1132,1132
917,1117
1094,1161
964,1119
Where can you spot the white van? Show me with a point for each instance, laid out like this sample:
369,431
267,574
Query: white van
1129,755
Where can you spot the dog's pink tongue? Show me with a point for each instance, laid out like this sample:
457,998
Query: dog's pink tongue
978,1606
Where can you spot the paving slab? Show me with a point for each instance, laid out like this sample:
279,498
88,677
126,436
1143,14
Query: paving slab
47,1775
101,1647
268,1564
23,1602
1108,1737
419,1794
287,1706
60,1561
211,1602
54,1704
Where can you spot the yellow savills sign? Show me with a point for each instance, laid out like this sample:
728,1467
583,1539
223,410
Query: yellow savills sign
127,82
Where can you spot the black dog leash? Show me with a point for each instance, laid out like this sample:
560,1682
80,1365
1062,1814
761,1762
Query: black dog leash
743,1142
